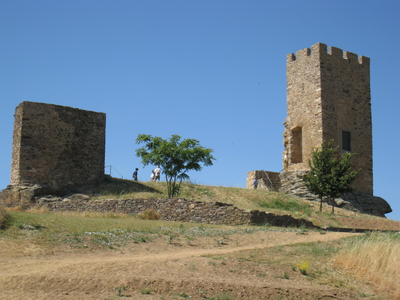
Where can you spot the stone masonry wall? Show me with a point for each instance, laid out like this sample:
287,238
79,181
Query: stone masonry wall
182,210
303,125
57,146
328,93
267,180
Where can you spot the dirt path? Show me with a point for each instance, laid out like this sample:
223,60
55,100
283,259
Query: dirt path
161,269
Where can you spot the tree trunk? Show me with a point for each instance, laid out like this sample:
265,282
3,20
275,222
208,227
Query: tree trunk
320,204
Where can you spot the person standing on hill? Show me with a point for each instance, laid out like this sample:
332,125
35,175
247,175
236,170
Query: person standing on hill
157,173
134,175
255,183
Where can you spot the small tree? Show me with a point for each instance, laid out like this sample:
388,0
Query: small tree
330,175
175,158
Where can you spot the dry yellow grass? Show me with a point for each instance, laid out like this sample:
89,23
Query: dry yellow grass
150,215
15,208
374,258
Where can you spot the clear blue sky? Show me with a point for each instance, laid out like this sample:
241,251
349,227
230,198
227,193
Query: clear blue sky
214,71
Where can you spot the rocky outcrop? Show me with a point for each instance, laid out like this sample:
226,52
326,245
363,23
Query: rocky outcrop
25,195
292,183
364,203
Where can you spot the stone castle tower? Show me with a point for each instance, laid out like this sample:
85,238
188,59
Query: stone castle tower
57,146
328,97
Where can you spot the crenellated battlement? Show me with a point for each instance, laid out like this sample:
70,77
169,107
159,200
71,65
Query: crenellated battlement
321,49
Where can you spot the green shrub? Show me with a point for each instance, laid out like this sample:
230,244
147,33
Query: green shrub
303,267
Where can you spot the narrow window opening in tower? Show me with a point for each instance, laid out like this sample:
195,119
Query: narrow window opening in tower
297,151
346,140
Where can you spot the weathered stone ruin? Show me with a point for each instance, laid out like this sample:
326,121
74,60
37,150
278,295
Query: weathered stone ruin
329,97
267,180
54,148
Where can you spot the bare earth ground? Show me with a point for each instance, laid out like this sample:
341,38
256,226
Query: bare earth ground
370,224
167,270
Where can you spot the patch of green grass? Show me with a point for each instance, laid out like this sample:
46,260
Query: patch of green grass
222,296
146,291
183,295
192,190
119,290
285,275
292,205
313,249
217,257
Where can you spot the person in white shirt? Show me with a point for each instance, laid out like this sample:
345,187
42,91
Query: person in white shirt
157,173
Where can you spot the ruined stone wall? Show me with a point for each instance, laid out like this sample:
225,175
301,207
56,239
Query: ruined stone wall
267,180
328,94
182,210
57,146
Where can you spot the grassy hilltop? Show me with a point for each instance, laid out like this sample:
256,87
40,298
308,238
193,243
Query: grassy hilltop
247,199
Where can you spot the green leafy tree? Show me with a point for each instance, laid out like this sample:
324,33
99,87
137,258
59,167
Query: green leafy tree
330,174
174,156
